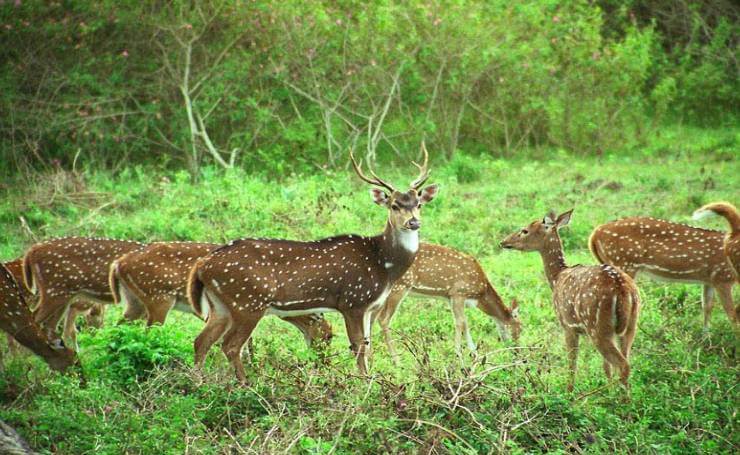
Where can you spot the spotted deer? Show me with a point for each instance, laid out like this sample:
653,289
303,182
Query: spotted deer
732,238
151,281
601,302
443,272
69,270
238,284
17,321
94,313
668,251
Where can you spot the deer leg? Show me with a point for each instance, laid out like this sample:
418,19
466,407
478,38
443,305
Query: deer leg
250,349
707,302
215,327
609,350
384,317
725,296
135,308
70,329
571,344
157,309
95,317
355,324
628,337
50,311
12,345
235,339
461,325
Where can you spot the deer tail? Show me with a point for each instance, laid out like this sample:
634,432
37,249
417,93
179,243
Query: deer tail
27,268
196,293
723,209
594,246
114,282
626,304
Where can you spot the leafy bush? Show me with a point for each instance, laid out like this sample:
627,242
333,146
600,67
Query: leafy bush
284,86
126,354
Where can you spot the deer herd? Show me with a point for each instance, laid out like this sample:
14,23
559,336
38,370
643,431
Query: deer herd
232,287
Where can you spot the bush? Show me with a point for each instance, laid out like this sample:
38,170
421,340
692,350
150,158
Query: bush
126,354
291,85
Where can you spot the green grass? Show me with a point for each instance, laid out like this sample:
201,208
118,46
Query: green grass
142,395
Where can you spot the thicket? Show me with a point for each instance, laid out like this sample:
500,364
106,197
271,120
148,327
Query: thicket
290,85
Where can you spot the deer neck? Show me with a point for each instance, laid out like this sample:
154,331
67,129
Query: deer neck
552,258
398,248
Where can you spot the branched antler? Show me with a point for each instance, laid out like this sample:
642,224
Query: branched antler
423,169
377,181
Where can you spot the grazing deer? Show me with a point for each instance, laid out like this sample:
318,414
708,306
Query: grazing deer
732,239
236,285
668,251
152,281
443,272
17,321
69,270
599,301
94,313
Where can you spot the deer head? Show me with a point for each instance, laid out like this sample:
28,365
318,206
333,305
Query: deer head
536,235
404,208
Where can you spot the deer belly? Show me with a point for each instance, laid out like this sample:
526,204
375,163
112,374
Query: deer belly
664,274
287,313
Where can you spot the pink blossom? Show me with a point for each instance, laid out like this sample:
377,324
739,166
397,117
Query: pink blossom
124,53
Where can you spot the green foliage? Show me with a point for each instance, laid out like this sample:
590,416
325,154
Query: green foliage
142,396
289,86
125,354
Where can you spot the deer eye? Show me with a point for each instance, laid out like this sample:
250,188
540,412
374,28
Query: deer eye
525,232
395,207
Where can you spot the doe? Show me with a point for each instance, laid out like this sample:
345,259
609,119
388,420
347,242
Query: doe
439,271
601,302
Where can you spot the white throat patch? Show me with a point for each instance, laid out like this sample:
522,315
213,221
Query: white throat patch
409,240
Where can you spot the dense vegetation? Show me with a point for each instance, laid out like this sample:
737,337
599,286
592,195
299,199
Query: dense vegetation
290,85
218,119
142,395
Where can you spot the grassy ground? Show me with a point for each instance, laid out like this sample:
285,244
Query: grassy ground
142,395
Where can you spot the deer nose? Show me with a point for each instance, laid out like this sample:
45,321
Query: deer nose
414,224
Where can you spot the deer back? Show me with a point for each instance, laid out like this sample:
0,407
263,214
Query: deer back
444,272
161,268
336,273
70,265
595,300
661,248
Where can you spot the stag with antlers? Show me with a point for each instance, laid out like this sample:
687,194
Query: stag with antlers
236,285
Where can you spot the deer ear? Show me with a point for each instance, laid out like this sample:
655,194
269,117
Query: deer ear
549,219
564,218
379,196
514,308
428,193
